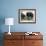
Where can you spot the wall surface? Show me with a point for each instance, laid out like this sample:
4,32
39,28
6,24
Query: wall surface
9,8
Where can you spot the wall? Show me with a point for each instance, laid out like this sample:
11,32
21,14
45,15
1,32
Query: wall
9,8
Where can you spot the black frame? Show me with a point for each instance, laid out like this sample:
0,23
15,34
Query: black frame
27,11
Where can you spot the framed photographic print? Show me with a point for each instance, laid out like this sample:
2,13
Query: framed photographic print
27,15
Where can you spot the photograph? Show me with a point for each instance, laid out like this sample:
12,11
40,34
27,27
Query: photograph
27,15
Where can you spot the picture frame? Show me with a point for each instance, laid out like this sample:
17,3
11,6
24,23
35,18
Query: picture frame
27,16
